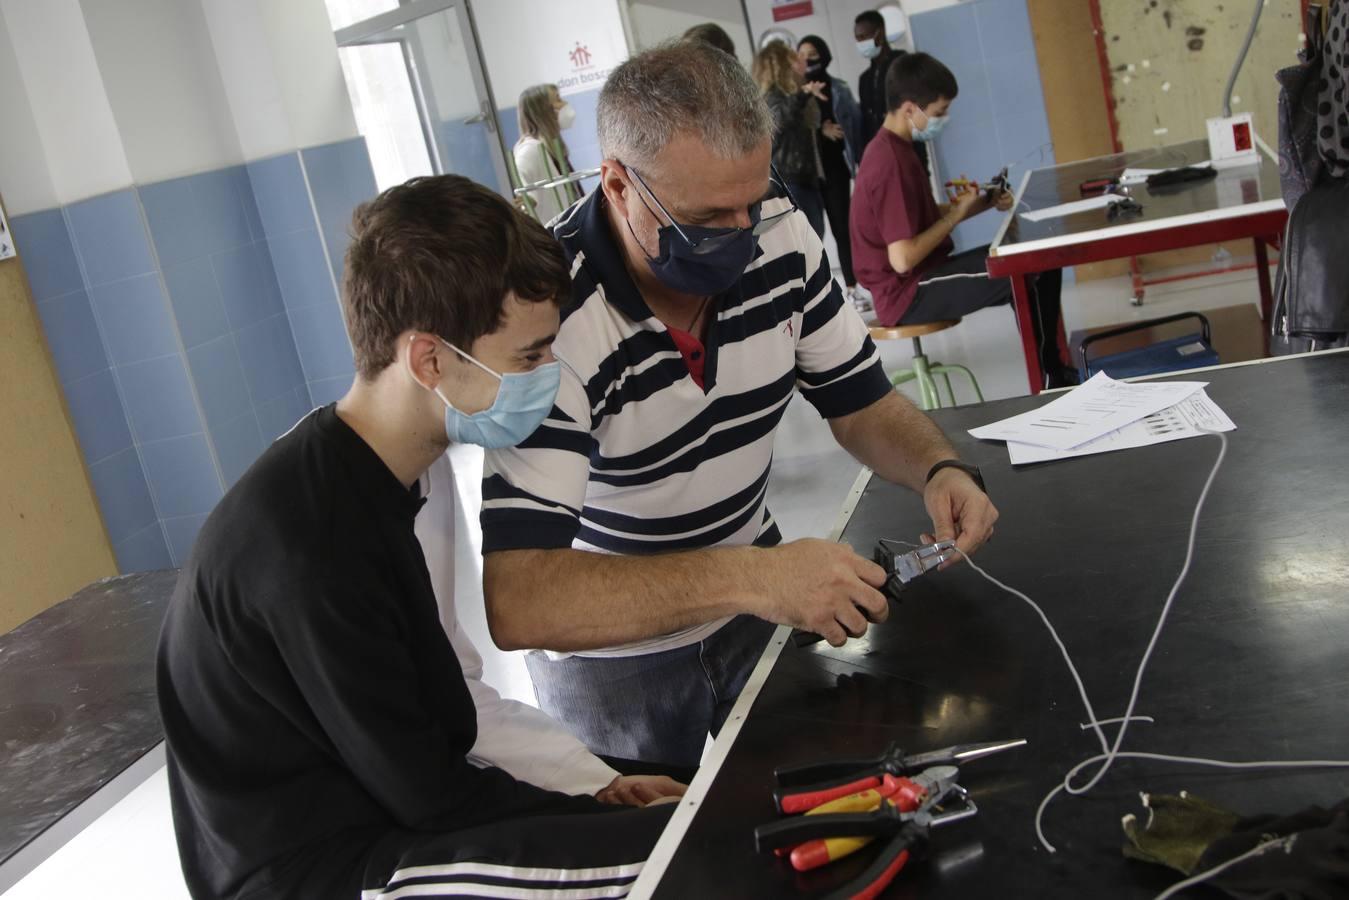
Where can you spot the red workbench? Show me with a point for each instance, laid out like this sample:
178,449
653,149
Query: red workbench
1242,202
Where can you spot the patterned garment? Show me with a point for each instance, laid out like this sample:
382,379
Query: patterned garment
1332,109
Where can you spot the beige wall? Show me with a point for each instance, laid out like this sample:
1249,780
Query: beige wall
52,540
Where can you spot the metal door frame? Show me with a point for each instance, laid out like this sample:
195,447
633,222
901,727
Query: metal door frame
368,31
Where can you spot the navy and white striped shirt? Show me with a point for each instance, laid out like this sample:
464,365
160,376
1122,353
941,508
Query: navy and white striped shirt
635,457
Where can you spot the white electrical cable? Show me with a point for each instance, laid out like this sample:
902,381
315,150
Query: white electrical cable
1085,725
1112,752
1257,850
1161,621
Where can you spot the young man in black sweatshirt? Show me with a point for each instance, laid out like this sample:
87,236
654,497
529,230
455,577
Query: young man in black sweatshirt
869,31
316,717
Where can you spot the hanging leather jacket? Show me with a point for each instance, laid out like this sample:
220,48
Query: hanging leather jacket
1311,293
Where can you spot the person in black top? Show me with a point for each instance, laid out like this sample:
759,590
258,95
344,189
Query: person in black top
839,139
315,715
869,31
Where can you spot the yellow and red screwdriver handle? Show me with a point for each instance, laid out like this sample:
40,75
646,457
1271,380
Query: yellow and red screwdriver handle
904,830
905,794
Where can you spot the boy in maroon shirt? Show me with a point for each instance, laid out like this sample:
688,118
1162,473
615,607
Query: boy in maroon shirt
902,248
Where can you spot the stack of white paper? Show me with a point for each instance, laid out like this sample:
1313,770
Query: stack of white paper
1104,415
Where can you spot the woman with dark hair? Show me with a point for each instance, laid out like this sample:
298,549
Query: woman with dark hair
541,154
839,140
780,75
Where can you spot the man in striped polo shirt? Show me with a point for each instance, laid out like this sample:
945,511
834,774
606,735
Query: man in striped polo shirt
628,539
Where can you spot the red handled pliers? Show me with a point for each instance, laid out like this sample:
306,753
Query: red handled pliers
807,786
905,817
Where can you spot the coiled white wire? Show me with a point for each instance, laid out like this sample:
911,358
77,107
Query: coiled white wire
1111,752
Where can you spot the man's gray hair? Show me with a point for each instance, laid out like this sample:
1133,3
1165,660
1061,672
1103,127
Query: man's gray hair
675,87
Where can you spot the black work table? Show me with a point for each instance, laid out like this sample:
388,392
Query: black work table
1252,663
77,710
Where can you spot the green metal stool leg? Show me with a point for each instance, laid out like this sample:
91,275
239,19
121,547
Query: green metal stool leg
923,371
903,377
943,370
950,392
927,388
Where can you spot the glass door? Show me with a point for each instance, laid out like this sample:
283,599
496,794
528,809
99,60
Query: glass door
420,93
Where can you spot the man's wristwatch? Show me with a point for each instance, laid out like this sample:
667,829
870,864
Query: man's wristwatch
972,471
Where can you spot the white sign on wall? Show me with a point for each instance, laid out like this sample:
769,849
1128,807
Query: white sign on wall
574,44
586,69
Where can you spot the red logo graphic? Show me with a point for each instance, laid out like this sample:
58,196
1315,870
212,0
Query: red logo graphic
788,330
580,57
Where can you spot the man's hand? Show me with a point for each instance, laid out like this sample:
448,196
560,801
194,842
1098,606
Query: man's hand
832,130
966,201
822,587
960,511
1003,201
640,790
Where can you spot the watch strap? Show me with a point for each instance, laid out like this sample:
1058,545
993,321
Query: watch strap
968,469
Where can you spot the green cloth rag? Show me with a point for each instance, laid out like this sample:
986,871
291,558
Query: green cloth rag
1177,830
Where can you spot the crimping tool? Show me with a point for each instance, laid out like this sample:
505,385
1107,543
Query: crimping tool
901,567
883,803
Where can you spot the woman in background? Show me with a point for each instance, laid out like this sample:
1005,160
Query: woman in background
780,73
541,154
839,140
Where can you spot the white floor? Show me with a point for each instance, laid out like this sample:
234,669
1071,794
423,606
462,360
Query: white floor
129,852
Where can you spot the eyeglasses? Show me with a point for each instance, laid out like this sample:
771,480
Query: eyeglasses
715,239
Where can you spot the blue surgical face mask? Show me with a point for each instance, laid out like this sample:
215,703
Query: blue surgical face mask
869,49
699,260
523,401
934,126
681,268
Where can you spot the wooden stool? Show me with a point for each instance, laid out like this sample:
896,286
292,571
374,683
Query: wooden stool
923,369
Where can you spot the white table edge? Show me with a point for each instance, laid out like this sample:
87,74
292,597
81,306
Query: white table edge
673,835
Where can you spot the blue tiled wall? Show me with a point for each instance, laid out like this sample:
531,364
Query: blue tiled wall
88,378
300,261
217,264
193,321
467,151
999,117
340,177
308,258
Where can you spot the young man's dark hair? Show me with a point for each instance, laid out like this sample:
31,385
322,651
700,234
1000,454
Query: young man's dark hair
872,43
920,79
413,240
901,237
871,18
712,34
318,726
